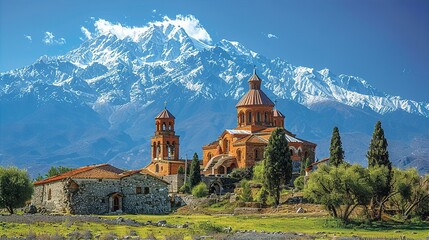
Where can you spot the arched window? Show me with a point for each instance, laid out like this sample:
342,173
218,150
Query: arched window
159,148
168,147
249,116
49,194
163,127
209,156
169,126
226,146
266,117
256,154
239,155
154,150
156,168
242,117
173,148
258,117
291,152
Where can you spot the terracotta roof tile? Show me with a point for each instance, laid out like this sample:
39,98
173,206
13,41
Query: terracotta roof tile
84,173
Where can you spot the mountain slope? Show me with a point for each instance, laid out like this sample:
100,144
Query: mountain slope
103,97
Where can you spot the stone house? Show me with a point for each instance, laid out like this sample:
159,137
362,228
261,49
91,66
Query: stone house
102,189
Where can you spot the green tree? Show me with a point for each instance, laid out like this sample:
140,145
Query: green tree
336,153
53,171
378,155
195,174
200,190
181,170
258,172
299,182
277,164
341,189
15,188
246,192
412,190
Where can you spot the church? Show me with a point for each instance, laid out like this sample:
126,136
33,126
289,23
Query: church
244,145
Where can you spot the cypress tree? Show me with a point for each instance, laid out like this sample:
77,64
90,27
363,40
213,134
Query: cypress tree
277,164
377,154
336,153
195,174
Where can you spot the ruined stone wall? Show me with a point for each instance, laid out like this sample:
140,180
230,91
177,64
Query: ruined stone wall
156,201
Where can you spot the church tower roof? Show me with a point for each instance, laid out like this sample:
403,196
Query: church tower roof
277,113
164,114
255,96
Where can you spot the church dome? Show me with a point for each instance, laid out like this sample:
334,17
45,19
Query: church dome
255,96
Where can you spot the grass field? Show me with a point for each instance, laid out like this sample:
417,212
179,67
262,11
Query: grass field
321,227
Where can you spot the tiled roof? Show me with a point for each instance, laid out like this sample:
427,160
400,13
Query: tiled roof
94,171
251,139
255,97
277,113
164,114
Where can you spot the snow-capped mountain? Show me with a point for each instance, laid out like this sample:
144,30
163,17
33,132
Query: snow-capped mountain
122,75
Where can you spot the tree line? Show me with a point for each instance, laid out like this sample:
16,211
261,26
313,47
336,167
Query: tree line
342,187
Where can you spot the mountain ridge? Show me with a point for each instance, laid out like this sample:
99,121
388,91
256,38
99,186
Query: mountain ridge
124,77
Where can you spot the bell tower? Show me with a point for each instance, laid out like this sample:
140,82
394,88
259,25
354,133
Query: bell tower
165,143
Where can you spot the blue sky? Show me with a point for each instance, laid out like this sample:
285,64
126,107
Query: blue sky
385,42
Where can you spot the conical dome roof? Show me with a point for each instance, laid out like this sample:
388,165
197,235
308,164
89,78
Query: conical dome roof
164,114
255,96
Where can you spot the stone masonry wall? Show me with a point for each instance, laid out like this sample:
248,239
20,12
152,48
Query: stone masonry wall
176,181
156,201
92,196
56,202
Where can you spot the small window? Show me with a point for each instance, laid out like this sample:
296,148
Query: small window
100,179
146,190
49,194
138,190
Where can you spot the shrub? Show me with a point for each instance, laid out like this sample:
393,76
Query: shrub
185,188
246,193
200,190
209,227
262,196
242,173
299,183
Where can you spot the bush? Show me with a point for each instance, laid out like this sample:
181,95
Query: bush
258,172
185,188
299,183
246,192
209,227
200,190
262,196
242,173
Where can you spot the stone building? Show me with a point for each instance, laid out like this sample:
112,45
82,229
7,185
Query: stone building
102,189
244,146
